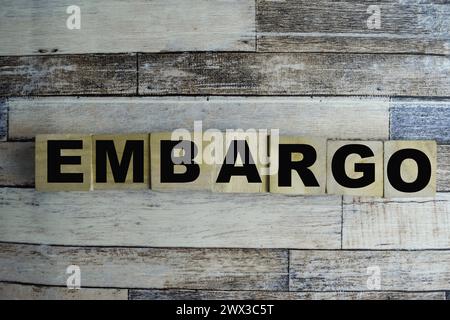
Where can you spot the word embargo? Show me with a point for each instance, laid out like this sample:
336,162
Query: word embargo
236,163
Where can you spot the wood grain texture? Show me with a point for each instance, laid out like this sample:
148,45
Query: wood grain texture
169,219
120,143
17,164
219,269
10,291
374,189
235,155
203,181
420,120
328,117
410,169
68,75
127,26
318,168
443,168
3,120
414,223
347,270
78,163
341,26
174,294
294,74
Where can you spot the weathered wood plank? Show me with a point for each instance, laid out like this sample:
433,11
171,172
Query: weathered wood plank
220,269
294,74
443,168
127,26
9,291
336,117
169,219
17,164
342,26
3,119
414,120
348,270
68,75
426,120
415,223
366,42
179,294
408,169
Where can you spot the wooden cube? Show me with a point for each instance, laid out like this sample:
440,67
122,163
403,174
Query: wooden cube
121,161
241,167
63,162
166,177
409,168
355,168
292,176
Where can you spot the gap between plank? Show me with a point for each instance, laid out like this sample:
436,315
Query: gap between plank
220,248
225,290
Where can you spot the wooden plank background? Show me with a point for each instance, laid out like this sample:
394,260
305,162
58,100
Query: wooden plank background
305,67
68,75
3,119
339,26
116,26
294,74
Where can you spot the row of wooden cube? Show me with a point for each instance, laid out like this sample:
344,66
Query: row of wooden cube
325,149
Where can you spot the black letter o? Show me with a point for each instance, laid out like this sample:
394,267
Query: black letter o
423,174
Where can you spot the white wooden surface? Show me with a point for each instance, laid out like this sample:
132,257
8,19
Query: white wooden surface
398,223
348,270
225,269
112,26
169,219
335,117
314,48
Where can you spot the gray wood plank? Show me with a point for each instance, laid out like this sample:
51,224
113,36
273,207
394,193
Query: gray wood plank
68,75
443,168
294,74
115,26
367,42
17,164
333,117
414,120
179,294
341,26
10,291
398,223
220,269
3,120
347,270
169,219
